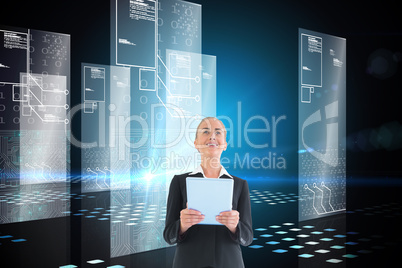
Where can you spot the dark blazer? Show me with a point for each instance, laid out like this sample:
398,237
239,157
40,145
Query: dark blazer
208,245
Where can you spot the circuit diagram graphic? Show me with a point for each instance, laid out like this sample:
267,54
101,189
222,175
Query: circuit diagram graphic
322,125
35,128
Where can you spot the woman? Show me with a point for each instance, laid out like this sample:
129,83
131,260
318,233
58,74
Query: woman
216,246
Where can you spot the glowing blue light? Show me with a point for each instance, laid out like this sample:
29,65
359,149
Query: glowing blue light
255,246
306,255
148,177
272,242
279,250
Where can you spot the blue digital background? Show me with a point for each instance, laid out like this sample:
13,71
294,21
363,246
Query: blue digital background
256,48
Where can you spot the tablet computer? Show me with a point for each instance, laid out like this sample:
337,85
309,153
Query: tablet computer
210,196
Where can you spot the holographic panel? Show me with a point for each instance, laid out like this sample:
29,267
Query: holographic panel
14,55
105,118
34,106
44,103
190,101
95,155
322,125
140,149
183,83
120,118
134,27
152,126
179,35
43,125
34,103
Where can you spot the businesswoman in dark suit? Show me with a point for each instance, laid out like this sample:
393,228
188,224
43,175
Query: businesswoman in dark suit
216,246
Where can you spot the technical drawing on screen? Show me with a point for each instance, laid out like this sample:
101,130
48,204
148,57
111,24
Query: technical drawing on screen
35,128
322,125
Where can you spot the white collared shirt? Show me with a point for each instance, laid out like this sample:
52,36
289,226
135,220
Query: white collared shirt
200,170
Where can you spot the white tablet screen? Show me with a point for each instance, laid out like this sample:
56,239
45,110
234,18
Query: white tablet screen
209,196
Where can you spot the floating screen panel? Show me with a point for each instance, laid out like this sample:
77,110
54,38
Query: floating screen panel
171,86
322,125
134,28
34,114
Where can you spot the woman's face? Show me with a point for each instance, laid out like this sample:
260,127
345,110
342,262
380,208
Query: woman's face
211,138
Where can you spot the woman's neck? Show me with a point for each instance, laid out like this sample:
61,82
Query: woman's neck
211,167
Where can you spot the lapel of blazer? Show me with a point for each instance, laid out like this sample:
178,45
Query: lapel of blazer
199,175
224,176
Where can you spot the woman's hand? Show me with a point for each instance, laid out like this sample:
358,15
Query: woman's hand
189,217
230,219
